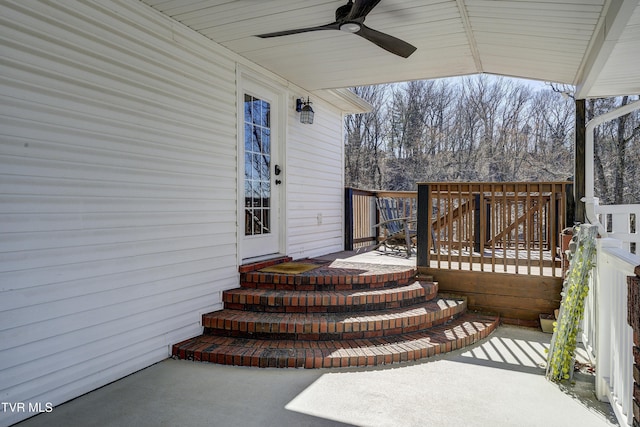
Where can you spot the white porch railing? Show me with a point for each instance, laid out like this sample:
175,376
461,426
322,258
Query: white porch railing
621,222
606,334
606,331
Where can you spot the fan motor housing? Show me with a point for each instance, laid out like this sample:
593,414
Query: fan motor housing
343,11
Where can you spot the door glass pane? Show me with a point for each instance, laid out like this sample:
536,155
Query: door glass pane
266,194
257,167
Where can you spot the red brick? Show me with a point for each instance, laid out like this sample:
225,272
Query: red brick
277,317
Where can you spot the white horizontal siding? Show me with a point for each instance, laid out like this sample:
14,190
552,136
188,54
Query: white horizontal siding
315,183
549,40
117,192
625,56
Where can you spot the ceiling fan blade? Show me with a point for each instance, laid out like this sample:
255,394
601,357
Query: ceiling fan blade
332,26
387,42
361,9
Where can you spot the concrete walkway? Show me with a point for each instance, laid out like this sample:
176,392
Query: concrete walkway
498,382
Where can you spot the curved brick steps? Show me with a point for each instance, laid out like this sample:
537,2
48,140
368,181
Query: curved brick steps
284,301
458,333
332,326
337,314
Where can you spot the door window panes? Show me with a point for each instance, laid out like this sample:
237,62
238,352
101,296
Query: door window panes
257,166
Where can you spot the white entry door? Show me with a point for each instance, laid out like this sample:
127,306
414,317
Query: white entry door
263,174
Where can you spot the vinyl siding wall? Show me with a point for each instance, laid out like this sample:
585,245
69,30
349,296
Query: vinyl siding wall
315,184
118,199
117,193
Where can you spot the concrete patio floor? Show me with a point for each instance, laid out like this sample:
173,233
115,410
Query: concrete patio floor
497,382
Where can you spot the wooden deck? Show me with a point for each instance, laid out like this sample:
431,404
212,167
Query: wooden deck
517,298
496,243
519,285
536,263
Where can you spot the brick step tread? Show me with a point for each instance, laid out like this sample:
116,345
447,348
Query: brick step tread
271,300
336,276
331,326
460,332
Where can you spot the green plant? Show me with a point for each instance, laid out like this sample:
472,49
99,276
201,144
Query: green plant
561,355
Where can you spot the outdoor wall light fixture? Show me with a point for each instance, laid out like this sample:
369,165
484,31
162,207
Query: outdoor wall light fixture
306,112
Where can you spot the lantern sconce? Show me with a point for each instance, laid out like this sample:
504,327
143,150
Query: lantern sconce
306,112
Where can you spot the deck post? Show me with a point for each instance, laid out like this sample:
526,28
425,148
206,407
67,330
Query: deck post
487,227
348,219
476,223
570,205
423,226
580,162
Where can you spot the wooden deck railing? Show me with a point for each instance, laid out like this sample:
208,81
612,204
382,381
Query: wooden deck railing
470,236
499,227
360,218
361,214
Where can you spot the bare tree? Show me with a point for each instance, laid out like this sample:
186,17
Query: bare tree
484,128
364,140
550,136
615,142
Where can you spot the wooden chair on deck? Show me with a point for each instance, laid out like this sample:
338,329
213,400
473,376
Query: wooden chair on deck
397,228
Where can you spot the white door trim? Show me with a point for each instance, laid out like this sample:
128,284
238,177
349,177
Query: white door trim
247,79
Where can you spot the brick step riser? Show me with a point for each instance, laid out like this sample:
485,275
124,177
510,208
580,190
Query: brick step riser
246,268
313,359
327,336
278,301
283,307
307,354
333,274
317,327
305,286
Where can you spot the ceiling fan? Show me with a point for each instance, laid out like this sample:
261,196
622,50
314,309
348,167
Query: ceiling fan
350,18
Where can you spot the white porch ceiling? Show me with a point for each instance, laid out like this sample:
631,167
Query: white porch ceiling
592,44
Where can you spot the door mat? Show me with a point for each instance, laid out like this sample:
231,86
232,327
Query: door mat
290,268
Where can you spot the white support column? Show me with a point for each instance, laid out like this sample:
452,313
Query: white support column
603,316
